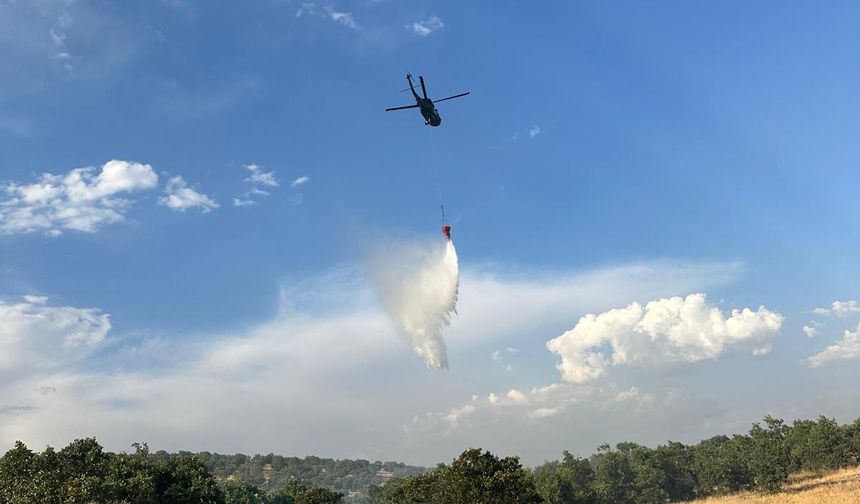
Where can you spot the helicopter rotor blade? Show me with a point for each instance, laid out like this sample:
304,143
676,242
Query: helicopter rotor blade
452,97
423,87
401,108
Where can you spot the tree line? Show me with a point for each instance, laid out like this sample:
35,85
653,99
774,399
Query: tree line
83,473
628,473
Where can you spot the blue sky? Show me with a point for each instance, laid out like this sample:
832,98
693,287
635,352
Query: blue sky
609,153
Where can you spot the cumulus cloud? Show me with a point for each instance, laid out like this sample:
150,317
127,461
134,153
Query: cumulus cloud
535,131
304,179
427,26
35,336
810,331
179,197
258,176
673,329
848,348
84,199
839,309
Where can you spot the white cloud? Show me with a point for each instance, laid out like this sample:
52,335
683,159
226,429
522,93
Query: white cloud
809,331
840,309
180,197
762,350
501,356
33,299
237,202
456,416
299,181
632,394
541,403
306,8
37,337
344,18
80,200
535,131
845,308
258,176
425,27
666,330
848,348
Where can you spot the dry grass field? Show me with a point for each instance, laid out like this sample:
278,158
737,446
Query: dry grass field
841,487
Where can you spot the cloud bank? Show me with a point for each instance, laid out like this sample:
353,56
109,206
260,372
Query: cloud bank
37,337
332,352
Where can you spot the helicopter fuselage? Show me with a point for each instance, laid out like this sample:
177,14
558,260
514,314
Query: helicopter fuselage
428,110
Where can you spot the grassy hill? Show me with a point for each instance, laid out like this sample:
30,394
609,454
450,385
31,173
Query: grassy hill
840,487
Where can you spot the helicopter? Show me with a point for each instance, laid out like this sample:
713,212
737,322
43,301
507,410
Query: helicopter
428,110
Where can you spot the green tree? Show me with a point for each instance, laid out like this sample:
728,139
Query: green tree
675,461
375,495
613,476
319,495
131,478
551,483
236,492
570,481
817,445
84,467
852,440
185,480
18,469
479,477
475,477
720,466
420,489
769,456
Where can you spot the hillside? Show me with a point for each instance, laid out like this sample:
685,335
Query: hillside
840,487
269,472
